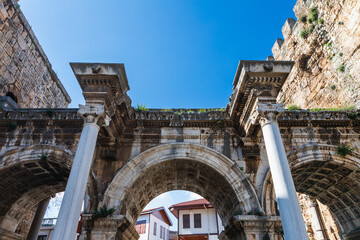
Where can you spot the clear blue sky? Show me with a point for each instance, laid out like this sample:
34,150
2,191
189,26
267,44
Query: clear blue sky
177,53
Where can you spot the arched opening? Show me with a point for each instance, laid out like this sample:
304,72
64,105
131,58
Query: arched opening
181,166
333,180
28,176
179,215
12,96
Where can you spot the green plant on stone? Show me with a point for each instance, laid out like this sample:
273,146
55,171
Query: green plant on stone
341,23
189,111
314,14
321,21
341,68
166,110
103,212
327,3
310,20
344,150
312,27
202,110
304,33
293,107
43,157
303,18
141,107
332,86
353,115
259,212
329,44
341,54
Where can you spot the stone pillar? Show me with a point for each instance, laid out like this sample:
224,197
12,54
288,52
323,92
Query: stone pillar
290,213
36,223
75,188
316,220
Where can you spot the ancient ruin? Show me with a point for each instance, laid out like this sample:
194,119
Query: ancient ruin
238,158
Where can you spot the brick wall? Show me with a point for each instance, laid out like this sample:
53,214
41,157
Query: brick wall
25,70
327,68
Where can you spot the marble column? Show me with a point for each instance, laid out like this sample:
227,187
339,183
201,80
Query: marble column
69,214
36,223
290,212
316,219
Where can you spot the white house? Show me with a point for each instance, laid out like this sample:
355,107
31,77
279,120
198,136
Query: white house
197,220
153,224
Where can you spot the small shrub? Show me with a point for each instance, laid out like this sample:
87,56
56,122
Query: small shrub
344,150
242,168
312,27
141,107
331,57
329,44
314,13
303,18
166,110
327,3
332,86
103,212
341,68
341,54
352,115
341,23
43,157
293,107
202,110
190,111
321,21
304,33
310,20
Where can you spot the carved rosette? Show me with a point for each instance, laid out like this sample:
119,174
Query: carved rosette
266,113
94,114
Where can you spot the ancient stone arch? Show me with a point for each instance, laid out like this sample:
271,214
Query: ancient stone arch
28,175
133,155
181,166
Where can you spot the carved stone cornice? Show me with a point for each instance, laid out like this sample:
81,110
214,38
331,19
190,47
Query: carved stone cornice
266,113
93,113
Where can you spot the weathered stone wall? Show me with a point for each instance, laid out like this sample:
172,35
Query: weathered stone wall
327,68
25,70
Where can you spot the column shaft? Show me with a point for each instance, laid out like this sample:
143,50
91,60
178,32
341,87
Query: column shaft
316,220
75,188
290,213
36,223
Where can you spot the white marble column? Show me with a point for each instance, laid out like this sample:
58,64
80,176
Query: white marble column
290,213
36,223
316,220
69,215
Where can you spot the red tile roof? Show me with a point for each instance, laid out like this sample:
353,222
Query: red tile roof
194,204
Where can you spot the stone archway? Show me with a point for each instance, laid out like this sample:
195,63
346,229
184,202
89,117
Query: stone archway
181,166
28,175
319,172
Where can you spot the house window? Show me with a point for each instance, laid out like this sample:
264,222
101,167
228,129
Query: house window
186,221
42,237
140,226
197,220
155,227
161,232
164,237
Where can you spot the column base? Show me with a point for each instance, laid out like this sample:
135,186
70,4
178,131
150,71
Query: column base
116,227
7,235
251,227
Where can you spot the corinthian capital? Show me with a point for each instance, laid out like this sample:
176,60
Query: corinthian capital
92,113
266,113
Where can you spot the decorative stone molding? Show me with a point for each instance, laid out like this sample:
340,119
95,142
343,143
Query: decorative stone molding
92,114
266,113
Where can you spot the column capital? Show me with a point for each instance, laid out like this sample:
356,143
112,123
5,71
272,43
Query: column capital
266,113
92,113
